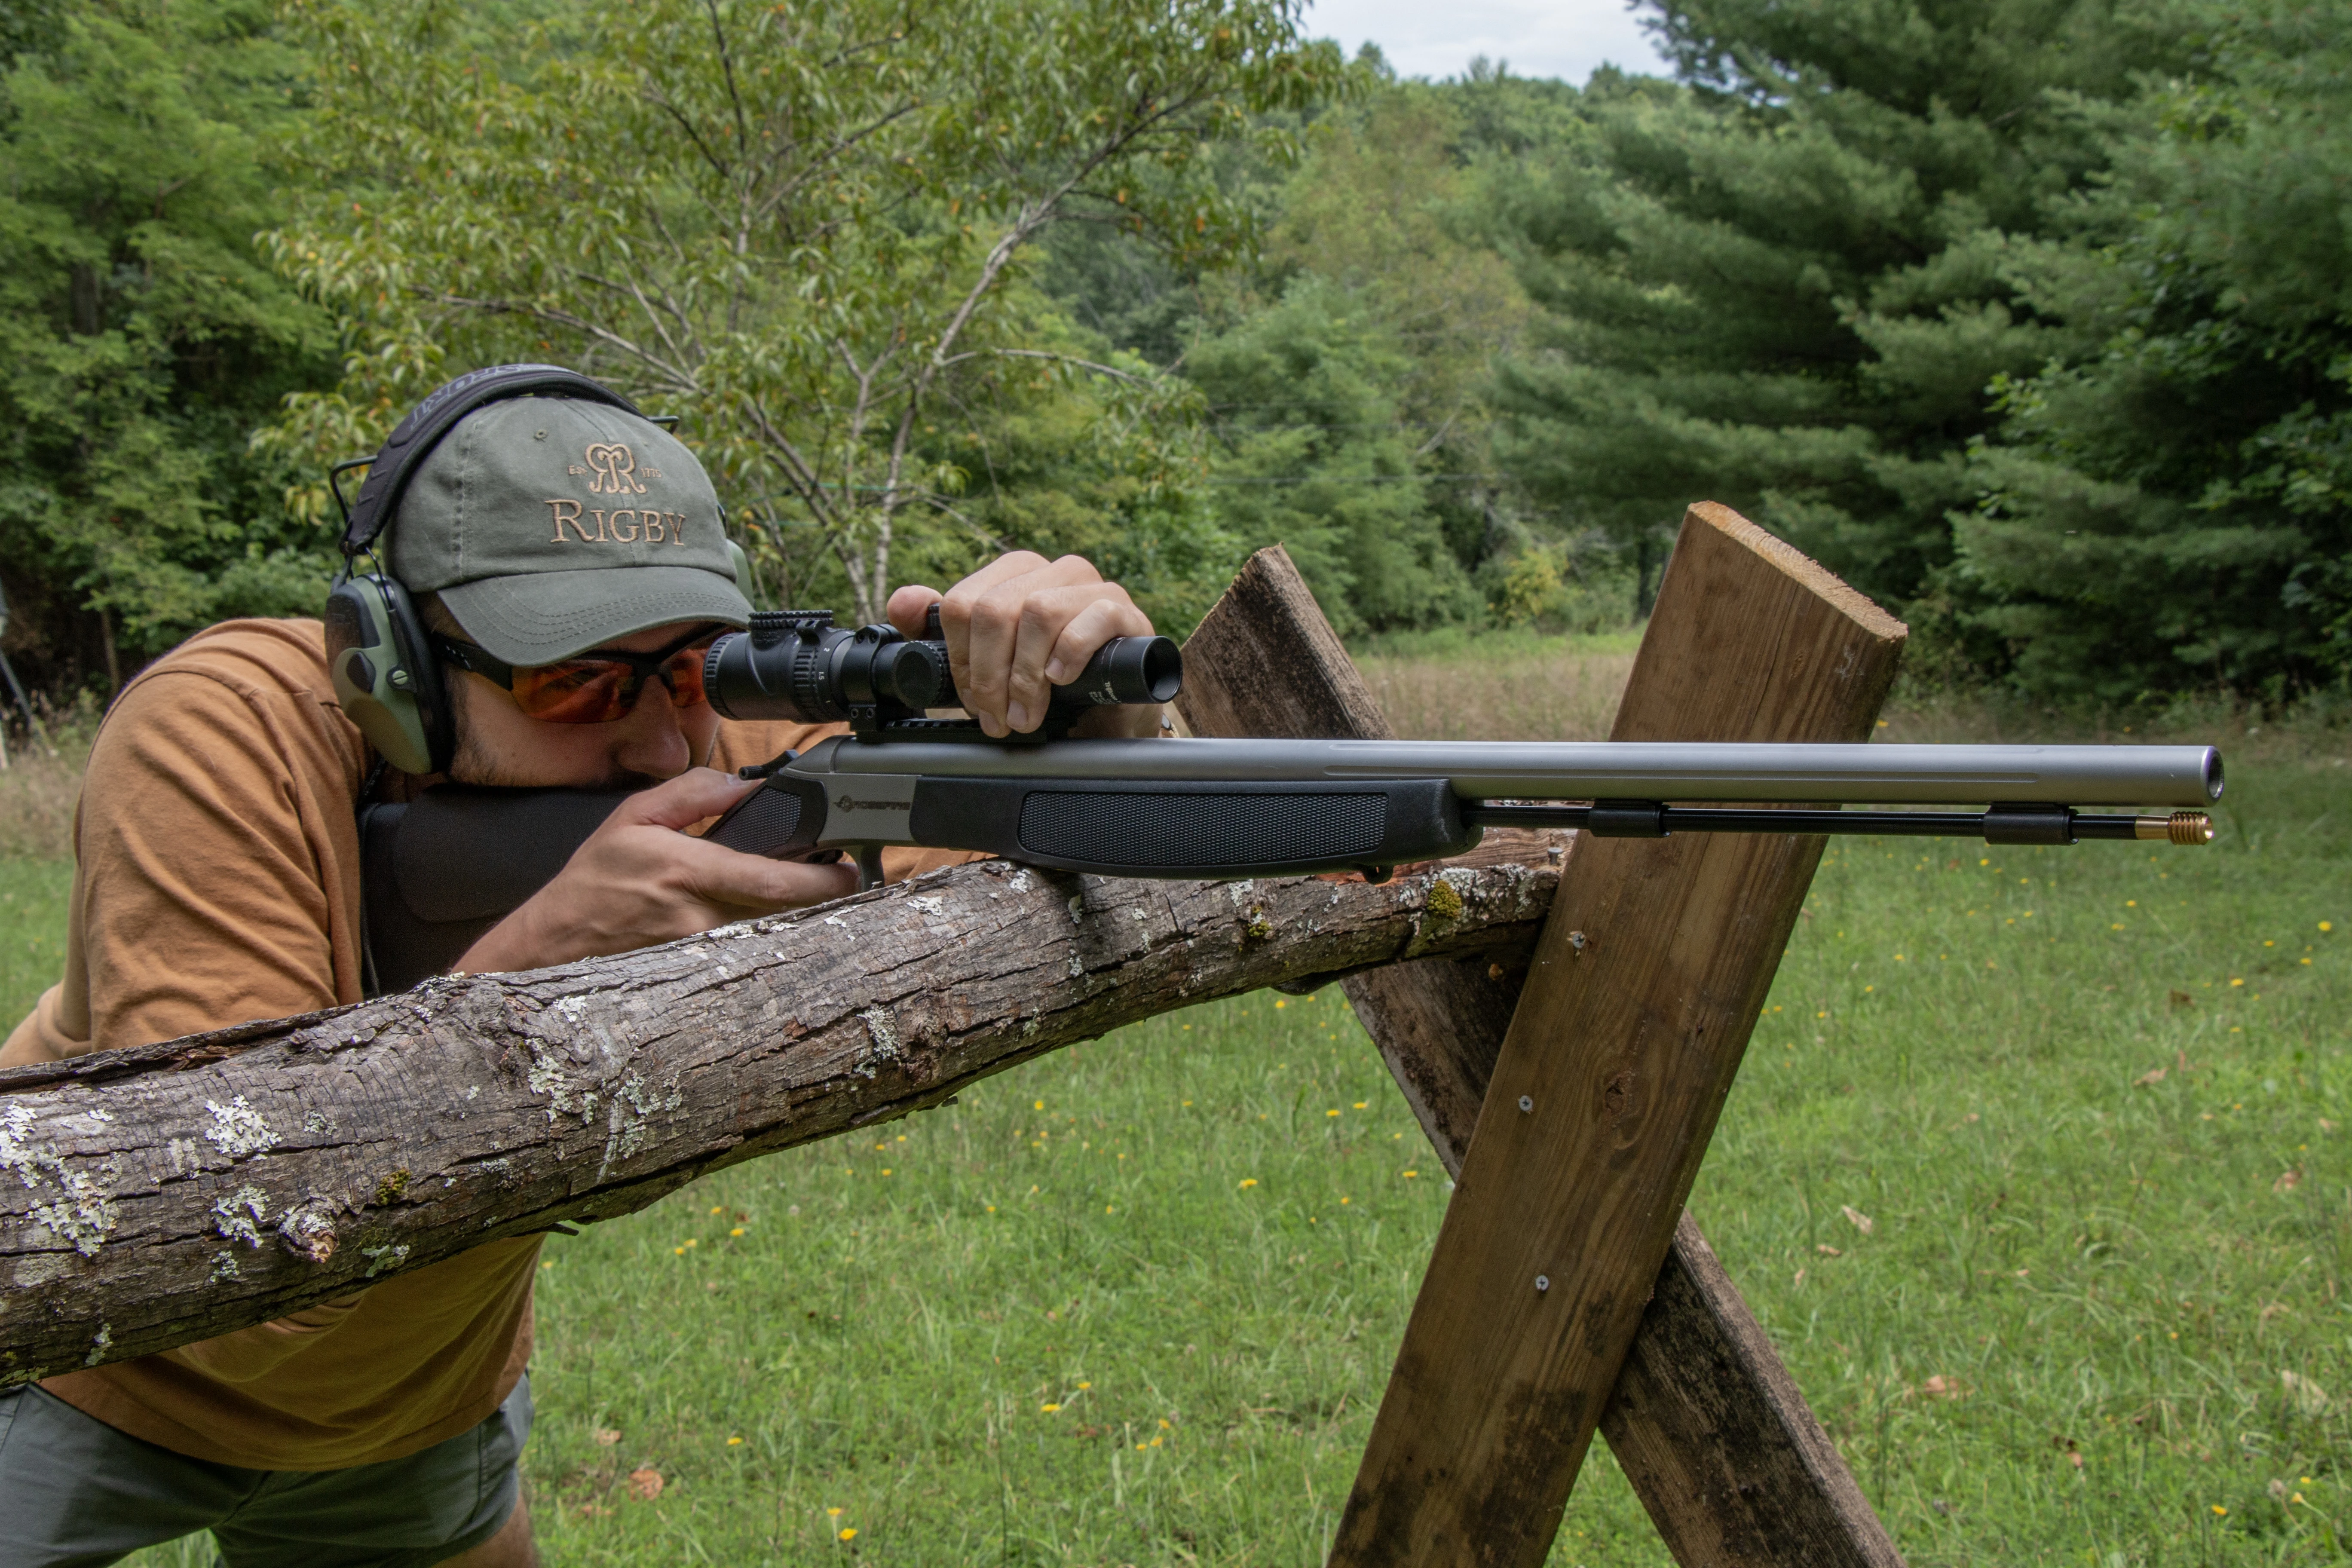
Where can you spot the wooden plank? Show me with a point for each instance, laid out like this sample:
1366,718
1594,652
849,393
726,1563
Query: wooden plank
1264,661
1704,1419
1721,1448
1656,960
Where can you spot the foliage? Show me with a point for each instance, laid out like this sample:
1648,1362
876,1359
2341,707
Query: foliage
2026,315
1786,284
1071,454
140,337
2171,502
1560,588
1314,453
797,226
1375,273
1347,379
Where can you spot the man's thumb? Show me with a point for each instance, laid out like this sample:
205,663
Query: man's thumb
696,793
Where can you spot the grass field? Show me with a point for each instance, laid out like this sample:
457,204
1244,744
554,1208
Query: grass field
1135,1303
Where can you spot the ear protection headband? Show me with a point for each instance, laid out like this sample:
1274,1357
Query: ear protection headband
378,655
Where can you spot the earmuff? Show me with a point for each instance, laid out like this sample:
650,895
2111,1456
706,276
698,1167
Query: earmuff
378,654
386,675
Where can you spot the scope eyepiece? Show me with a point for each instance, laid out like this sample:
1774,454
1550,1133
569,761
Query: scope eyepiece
796,664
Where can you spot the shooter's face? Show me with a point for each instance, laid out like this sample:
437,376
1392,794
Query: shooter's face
659,738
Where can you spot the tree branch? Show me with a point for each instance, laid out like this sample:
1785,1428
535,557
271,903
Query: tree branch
675,378
1112,370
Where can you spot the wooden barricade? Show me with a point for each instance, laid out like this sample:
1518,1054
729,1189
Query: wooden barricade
1569,1289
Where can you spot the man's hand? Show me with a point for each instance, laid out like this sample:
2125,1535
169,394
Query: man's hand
1022,624
639,880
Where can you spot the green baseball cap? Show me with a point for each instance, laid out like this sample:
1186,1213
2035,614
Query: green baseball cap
550,526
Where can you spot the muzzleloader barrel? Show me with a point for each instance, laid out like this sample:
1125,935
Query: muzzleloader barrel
1576,769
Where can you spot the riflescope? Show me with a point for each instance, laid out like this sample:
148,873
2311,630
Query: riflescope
796,664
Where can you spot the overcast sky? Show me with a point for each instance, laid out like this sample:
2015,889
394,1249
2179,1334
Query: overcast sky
1539,37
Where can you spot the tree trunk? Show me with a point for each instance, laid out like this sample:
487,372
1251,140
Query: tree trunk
168,1193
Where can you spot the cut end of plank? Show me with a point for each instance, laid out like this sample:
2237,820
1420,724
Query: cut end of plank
1800,567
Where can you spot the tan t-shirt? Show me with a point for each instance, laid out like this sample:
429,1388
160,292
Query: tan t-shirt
216,881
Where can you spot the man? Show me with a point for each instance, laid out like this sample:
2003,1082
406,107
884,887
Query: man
216,881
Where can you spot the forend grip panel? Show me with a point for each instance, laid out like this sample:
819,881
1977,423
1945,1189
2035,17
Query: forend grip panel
1206,830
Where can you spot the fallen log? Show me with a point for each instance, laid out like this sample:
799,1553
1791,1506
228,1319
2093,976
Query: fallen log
168,1193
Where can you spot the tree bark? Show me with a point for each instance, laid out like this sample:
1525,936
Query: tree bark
168,1193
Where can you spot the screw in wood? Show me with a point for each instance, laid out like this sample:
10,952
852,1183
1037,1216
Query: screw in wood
1543,1283
1527,1103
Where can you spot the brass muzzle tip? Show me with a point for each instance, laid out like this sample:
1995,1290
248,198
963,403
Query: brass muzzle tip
2180,828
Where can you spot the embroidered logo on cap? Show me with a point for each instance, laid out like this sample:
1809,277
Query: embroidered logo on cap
612,468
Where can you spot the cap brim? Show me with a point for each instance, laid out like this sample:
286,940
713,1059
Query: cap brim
539,617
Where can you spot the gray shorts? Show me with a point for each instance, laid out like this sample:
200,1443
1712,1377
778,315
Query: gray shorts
75,1492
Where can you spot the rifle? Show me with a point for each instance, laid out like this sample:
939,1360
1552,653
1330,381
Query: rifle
441,871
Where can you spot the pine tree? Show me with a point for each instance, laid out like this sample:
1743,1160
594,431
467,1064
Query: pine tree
2171,505
1786,282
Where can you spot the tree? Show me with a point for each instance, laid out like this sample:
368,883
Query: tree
2171,504
1314,452
1377,217
1344,375
1786,282
797,225
141,335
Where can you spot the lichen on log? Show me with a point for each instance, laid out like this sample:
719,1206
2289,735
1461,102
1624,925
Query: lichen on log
157,1195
